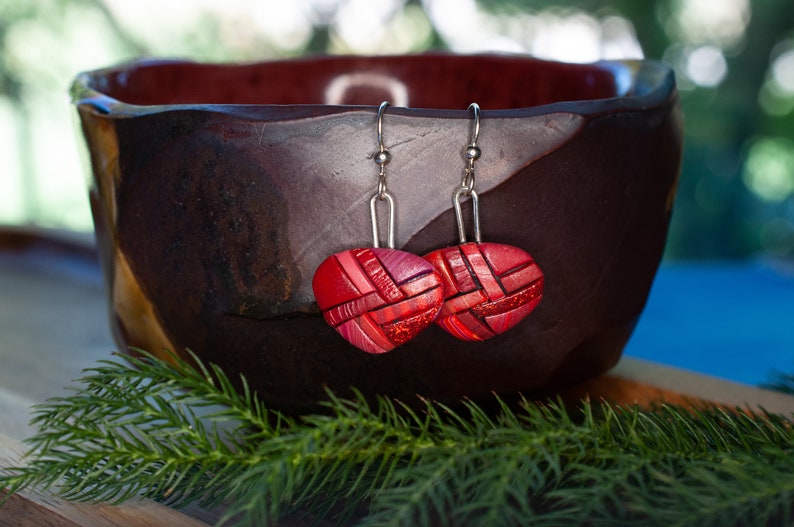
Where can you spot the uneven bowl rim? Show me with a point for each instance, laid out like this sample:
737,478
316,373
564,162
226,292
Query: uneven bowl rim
642,84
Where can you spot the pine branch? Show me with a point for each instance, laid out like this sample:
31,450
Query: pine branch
182,433
134,430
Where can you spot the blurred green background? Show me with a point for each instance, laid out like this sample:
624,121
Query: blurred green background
734,61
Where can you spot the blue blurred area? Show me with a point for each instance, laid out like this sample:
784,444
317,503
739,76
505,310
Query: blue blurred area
729,319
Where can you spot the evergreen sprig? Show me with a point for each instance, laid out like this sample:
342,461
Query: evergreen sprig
181,433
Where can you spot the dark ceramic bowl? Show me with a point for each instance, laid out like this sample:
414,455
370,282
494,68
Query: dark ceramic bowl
219,189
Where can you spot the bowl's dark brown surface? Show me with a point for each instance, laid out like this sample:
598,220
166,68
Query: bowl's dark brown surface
218,190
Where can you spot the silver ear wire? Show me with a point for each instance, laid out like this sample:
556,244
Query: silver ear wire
466,189
475,133
472,152
382,158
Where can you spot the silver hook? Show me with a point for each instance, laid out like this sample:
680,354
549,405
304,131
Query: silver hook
381,110
472,153
382,159
383,156
475,133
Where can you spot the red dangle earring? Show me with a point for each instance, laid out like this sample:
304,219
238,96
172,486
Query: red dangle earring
488,287
378,298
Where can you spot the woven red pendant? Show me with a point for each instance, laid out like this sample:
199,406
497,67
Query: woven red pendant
488,288
377,298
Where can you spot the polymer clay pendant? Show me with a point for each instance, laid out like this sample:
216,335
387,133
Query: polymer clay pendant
488,287
378,298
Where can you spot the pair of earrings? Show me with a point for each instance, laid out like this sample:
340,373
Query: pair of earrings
378,298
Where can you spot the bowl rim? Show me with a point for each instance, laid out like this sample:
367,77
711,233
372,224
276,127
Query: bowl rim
641,84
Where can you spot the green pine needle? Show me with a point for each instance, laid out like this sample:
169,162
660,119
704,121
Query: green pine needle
179,433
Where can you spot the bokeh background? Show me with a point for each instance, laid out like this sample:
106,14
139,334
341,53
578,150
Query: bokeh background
734,61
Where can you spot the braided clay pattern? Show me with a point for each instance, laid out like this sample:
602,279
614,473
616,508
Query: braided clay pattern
488,288
377,298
